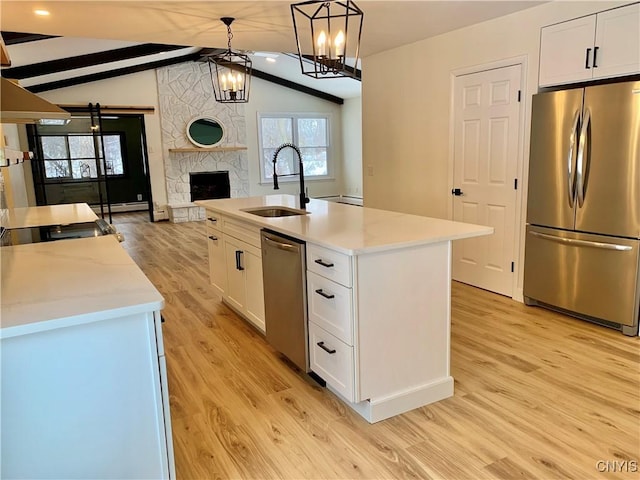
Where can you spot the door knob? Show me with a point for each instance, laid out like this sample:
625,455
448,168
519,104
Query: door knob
457,192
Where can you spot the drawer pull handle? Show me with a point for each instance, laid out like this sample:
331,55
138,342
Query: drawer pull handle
330,351
212,220
325,295
323,263
213,237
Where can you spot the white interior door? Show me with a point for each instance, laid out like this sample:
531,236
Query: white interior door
486,133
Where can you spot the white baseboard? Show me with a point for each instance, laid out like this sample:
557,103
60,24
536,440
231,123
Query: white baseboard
123,207
379,409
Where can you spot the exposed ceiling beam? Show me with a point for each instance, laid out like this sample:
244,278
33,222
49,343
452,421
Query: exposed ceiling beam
14,38
69,82
88,60
296,86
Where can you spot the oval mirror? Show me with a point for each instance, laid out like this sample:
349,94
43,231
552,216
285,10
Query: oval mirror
205,131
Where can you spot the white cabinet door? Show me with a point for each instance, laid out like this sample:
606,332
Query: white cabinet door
617,42
217,262
564,49
235,293
244,289
254,287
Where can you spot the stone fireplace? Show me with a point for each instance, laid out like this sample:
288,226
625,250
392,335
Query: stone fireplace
185,92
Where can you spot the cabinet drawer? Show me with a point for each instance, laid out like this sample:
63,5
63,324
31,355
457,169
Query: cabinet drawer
330,264
242,231
213,220
330,306
332,359
213,232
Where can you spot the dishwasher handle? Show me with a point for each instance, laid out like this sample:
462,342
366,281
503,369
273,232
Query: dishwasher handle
280,245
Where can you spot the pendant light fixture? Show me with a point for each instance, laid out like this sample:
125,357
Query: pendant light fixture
328,37
230,72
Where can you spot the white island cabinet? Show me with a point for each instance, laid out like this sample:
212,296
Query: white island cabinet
378,297
235,265
84,380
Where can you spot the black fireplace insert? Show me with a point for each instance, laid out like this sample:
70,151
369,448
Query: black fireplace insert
209,185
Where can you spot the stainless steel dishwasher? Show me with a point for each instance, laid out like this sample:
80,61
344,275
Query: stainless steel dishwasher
285,296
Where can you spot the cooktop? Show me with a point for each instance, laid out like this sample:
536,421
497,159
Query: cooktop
49,233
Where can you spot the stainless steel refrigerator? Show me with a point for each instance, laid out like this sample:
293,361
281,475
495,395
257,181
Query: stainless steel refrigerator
583,211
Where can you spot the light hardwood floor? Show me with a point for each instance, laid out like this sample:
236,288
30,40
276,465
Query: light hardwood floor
537,394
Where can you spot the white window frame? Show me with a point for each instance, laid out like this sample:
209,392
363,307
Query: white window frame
295,116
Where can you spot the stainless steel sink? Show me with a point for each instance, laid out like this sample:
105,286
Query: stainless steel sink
275,211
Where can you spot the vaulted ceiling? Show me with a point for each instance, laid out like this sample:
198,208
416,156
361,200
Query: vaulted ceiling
120,36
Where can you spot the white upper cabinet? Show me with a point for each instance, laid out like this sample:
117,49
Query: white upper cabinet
598,46
563,51
618,42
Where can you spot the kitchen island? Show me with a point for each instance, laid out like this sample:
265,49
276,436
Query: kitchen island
378,293
84,384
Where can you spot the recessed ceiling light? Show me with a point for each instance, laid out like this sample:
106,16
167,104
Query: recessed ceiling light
42,13
270,60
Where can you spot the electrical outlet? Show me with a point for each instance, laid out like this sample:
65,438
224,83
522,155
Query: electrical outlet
370,170
139,197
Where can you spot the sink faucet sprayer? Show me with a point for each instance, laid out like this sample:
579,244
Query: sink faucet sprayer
303,197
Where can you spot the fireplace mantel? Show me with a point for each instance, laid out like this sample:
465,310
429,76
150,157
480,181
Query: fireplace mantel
208,149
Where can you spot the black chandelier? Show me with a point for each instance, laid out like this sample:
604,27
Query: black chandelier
328,36
230,72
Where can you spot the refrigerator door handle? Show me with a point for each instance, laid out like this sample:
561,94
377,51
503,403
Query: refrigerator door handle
583,243
570,159
580,173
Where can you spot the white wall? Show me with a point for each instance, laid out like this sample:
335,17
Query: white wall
10,136
352,146
406,106
267,97
138,89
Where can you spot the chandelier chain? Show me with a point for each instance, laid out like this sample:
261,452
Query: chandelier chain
229,36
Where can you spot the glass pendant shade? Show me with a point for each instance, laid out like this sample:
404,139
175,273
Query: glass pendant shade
328,37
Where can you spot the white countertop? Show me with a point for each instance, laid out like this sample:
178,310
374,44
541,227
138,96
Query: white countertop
350,229
57,284
47,215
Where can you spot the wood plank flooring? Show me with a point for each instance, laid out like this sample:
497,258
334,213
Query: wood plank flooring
537,394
